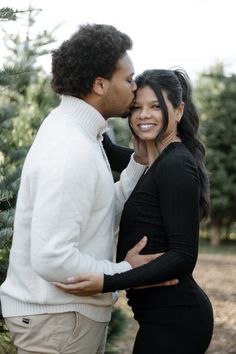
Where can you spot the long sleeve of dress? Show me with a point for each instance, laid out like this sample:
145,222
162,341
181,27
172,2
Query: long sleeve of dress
178,192
117,155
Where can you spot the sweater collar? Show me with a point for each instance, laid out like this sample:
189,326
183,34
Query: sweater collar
87,116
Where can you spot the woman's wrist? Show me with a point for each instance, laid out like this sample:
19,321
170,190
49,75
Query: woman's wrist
142,160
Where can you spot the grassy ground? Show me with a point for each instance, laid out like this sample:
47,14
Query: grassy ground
226,247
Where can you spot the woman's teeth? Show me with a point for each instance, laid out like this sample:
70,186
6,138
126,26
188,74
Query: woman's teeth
146,126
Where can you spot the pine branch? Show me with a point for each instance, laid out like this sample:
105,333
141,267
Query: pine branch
5,236
9,185
18,155
13,73
3,269
7,14
7,112
7,217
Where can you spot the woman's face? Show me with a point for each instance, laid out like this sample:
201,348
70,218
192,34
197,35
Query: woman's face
147,118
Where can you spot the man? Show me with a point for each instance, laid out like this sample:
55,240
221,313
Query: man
67,203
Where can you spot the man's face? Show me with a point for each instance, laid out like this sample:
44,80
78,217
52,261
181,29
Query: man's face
120,92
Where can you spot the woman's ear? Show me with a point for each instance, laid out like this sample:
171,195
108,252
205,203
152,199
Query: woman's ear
180,111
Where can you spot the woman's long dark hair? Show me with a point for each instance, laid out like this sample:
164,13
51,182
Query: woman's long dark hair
176,84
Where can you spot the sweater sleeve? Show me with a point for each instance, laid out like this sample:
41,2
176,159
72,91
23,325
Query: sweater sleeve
62,192
178,190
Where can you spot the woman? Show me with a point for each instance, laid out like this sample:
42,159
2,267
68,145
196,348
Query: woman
166,205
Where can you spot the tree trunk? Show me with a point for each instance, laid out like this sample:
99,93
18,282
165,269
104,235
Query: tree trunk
215,232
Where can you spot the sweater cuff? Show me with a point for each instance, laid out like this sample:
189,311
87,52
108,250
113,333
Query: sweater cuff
134,168
122,267
109,280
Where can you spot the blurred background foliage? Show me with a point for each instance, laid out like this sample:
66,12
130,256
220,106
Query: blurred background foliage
26,98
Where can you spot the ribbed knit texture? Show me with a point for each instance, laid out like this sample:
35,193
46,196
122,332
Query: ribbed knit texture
66,209
164,206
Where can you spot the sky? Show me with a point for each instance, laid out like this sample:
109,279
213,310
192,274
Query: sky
193,34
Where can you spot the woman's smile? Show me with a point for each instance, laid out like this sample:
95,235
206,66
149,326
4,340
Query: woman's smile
146,127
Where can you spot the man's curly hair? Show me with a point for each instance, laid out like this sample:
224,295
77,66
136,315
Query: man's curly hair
92,51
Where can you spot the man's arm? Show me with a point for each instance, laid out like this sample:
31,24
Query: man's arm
63,195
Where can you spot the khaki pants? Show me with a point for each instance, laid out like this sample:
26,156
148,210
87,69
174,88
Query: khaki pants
64,333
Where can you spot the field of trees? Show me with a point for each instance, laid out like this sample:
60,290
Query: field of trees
26,98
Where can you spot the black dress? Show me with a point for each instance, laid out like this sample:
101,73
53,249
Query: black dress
165,207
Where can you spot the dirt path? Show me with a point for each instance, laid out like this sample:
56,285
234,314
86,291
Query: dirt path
216,274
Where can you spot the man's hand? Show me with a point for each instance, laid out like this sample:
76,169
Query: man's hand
135,259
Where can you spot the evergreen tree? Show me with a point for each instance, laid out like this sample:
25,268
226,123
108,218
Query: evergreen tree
216,92
8,110
116,328
24,100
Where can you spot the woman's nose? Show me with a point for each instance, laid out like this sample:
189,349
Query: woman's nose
144,113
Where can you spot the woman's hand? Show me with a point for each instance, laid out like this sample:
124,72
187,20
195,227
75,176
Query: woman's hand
140,150
83,285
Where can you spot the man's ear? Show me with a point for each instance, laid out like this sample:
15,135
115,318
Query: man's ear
99,86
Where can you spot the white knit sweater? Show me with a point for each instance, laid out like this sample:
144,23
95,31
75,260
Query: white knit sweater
65,215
